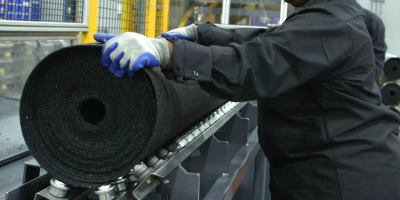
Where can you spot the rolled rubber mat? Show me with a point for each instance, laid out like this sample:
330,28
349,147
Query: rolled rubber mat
86,127
391,68
390,93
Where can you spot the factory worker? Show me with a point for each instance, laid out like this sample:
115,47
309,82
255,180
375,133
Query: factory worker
321,122
376,29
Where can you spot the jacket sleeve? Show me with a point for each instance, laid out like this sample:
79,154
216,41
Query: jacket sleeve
210,34
376,29
269,65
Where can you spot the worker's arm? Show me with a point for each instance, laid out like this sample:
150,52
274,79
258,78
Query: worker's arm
210,34
269,65
376,29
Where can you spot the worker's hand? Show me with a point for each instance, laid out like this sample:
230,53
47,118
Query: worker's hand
186,33
103,37
130,52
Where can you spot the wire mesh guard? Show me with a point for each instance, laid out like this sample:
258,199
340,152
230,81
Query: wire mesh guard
64,11
118,16
160,25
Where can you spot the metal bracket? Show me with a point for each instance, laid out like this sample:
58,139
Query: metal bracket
74,194
151,181
31,170
227,184
187,182
235,131
250,111
28,190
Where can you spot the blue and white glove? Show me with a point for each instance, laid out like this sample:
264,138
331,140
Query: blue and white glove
103,37
186,33
130,52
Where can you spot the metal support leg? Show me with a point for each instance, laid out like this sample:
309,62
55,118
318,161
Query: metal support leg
185,185
211,163
31,171
250,111
235,132
261,178
227,184
28,190
165,189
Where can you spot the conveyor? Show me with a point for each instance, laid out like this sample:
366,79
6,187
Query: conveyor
217,158
207,162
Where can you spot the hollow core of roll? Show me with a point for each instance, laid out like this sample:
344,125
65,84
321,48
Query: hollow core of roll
92,111
392,93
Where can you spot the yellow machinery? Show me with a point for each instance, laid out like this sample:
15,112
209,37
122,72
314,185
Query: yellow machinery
148,17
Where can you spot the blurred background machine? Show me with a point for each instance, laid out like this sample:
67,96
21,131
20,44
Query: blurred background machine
234,12
390,82
17,61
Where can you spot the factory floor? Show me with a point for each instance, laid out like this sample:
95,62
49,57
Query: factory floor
11,139
11,143
11,176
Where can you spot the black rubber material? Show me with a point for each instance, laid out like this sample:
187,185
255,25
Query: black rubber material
86,127
390,93
392,68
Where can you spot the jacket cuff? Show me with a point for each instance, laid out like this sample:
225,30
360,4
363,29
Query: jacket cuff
191,61
163,49
209,34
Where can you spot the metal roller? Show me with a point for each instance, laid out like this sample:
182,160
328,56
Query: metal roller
106,192
58,188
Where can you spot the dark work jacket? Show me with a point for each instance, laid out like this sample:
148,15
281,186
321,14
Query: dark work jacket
321,122
376,30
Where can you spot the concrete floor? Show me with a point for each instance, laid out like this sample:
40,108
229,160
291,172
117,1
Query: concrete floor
11,143
11,140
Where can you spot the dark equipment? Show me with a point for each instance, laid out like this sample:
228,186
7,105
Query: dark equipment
391,93
86,127
392,67
207,162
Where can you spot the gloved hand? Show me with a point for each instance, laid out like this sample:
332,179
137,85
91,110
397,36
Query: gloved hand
186,33
103,37
130,52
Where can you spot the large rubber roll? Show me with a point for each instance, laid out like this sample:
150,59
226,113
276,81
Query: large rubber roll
86,127
391,68
390,93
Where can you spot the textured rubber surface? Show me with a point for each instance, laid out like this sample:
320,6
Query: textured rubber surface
87,127
391,93
392,68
